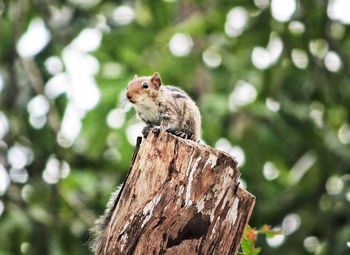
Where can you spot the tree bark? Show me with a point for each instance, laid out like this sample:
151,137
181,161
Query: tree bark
180,197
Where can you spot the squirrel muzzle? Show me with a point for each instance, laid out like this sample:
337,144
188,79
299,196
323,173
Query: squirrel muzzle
129,97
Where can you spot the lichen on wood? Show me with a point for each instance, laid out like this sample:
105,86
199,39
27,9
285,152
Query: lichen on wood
180,197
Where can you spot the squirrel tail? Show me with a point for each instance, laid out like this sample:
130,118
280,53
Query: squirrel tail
100,225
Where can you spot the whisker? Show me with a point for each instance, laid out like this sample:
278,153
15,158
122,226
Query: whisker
123,103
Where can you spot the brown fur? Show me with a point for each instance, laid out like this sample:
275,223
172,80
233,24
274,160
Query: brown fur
168,107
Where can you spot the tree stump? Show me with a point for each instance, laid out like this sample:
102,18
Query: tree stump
180,197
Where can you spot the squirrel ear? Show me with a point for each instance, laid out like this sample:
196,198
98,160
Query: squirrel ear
135,76
156,79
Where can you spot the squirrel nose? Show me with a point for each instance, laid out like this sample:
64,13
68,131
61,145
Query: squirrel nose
128,96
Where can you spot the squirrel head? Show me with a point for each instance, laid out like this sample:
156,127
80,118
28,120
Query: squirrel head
142,89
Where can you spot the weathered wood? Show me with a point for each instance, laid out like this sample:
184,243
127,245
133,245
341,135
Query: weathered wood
180,197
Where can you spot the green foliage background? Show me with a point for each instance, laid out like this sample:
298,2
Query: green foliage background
42,218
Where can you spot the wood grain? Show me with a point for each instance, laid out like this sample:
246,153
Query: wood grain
180,197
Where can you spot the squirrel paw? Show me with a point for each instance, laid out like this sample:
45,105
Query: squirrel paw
181,134
145,131
156,130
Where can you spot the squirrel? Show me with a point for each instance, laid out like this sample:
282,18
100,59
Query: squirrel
163,107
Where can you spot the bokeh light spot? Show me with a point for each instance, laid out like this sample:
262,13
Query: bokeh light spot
180,44
290,223
88,40
85,4
212,57
296,27
123,15
19,156
274,47
71,126
4,180
65,169
2,83
34,39
242,94
4,125
334,185
270,171
332,61
300,168
238,153
344,133
60,16
261,58
337,30
133,131
37,122
56,85
275,241
53,65
311,244
19,175
283,10
299,58
236,20
223,145
38,106
25,247
317,116
26,192
116,118
272,104
84,92
262,4
318,47
339,10
347,196
2,207
51,173
112,70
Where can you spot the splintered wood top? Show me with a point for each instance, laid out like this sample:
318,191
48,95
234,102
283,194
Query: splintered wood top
180,197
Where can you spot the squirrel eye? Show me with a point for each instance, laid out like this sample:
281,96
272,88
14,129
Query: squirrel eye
145,85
